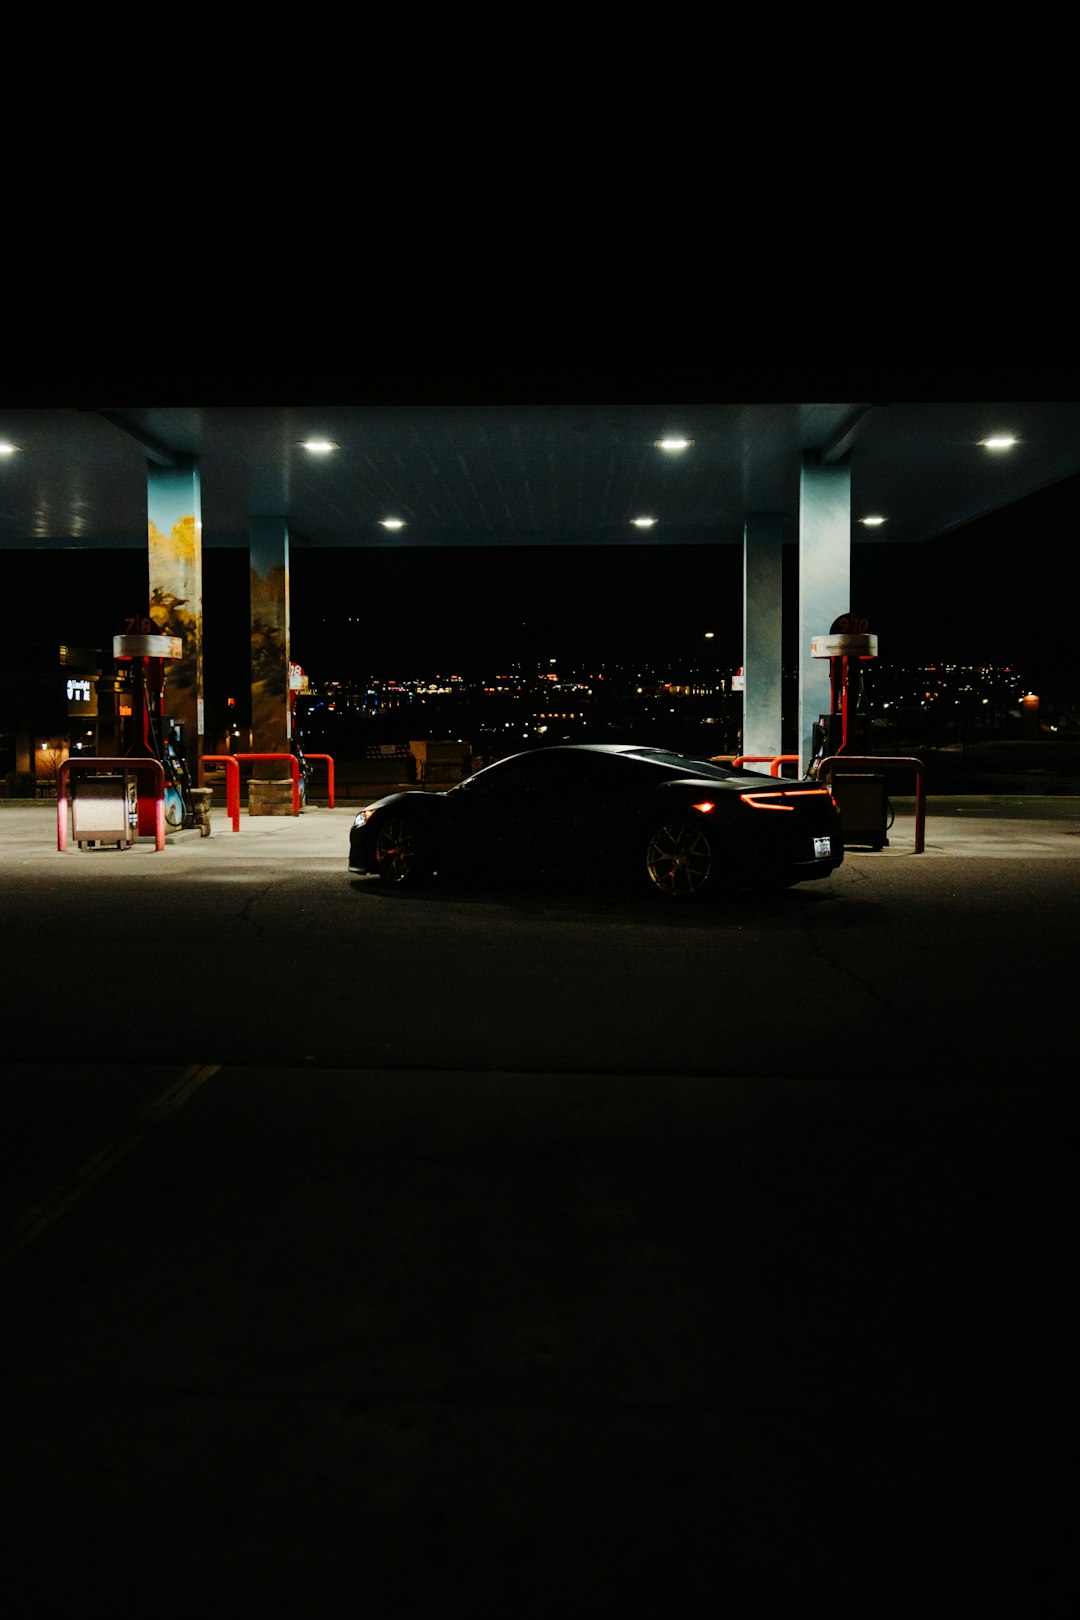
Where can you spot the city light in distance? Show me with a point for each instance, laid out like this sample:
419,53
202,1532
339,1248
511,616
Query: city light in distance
318,447
392,523
873,522
679,699
673,444
999,441
643,522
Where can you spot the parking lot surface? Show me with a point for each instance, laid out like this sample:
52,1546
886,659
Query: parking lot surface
369,1252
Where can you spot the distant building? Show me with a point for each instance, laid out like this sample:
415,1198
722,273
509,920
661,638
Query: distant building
51,704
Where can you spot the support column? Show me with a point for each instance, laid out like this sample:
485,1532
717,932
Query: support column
271,723
763,555
824,580
174,528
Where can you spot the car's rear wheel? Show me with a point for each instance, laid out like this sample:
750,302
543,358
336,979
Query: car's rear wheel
679,859
399,855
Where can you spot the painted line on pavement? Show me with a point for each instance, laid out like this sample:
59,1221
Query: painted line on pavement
44,1214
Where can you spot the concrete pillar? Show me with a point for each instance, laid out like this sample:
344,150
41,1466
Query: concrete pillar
824,580
174,528
763,552
271,726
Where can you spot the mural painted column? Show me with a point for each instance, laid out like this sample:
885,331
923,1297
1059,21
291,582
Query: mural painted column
174,507
824,581
271,724
763,554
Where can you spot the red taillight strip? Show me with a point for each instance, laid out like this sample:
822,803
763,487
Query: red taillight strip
757,800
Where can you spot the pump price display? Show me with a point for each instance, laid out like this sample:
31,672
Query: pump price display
822,846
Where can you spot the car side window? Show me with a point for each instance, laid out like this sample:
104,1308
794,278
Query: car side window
530,773
615,773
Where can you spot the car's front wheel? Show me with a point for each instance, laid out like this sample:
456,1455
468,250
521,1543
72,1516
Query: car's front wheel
679,859
399,854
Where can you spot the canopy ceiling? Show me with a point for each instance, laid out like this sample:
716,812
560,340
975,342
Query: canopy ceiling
481,450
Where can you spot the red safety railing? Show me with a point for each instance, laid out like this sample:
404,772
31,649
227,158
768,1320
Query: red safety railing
773,761
232,784
329,777
231,763
130,764
294,766
827,769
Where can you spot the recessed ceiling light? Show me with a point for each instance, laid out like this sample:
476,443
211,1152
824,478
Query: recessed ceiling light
643,523
318,447
7,449
999,441
872,522
392,523
673,444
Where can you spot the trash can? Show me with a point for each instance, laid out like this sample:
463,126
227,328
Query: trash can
105,809
862,804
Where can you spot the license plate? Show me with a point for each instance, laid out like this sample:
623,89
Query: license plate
822,846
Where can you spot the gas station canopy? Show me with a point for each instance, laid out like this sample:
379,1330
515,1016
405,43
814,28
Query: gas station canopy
499,448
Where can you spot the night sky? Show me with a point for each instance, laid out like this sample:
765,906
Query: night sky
1001,589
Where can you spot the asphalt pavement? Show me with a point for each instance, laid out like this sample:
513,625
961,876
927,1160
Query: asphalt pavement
539,1253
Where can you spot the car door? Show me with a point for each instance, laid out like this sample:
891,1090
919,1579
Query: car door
604,806
508,818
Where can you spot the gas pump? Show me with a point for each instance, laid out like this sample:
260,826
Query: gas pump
298,682
846,728
147,734
179,808
864,808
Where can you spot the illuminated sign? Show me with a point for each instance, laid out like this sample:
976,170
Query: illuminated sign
78,691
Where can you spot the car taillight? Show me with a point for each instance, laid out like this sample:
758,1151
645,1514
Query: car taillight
705,807
764,801
767,800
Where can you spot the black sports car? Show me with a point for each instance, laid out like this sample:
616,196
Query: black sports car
588,811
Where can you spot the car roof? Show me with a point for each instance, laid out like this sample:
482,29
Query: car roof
690,765
636,749
596,748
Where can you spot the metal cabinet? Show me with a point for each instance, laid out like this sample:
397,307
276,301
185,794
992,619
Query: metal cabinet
105,809
863,812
